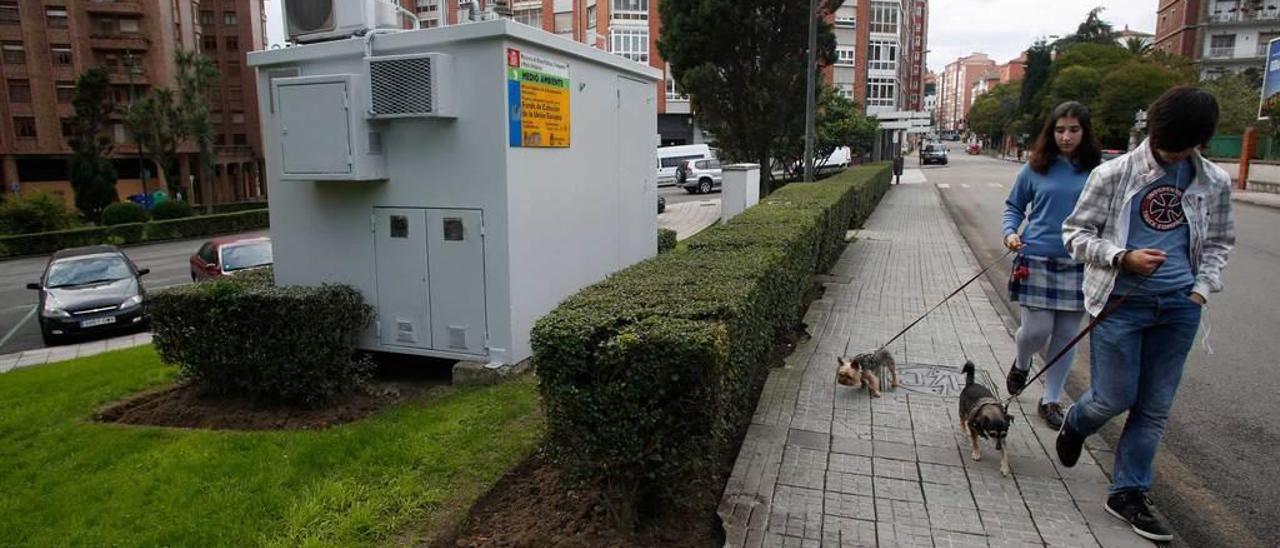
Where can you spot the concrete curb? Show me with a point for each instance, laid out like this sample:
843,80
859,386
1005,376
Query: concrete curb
468,373
1262,199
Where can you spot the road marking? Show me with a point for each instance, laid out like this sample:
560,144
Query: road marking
995,185
944,185
965,185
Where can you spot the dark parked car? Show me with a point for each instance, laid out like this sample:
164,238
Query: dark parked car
90,291
933,153
225,256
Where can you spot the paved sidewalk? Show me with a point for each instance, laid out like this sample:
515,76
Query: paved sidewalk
823,465
41,356
1264,199
689,218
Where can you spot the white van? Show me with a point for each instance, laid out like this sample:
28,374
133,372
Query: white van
669,159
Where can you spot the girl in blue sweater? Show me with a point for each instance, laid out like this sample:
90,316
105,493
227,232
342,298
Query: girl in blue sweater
1046,281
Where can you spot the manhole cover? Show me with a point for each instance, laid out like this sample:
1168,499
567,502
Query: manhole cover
938,380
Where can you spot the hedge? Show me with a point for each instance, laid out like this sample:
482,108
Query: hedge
272,344
237,207
121,213
172,209
132,233
666,240
650,377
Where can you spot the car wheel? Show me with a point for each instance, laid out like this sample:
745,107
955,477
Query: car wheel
704,186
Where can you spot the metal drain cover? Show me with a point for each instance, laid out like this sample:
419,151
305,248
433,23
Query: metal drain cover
938,380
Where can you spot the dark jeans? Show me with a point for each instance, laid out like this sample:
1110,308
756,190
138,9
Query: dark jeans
1136,362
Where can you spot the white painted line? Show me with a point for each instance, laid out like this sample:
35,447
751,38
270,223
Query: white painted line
944,185
995,185
965,185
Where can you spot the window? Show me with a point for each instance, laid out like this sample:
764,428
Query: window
631,10
531,17
845,90
564,22
206,18
239,139
209,44
215,118
232,70
61,55
119,134
233,43
847,15
220,140
56,17
630,42
24,127
14,53
68,128
845,56
129,26
65,91
428,6
884,17
19,91
237,117
235,94
9,13
229,18
882,92
591,17
1264,41
1222,45
673,91
882,55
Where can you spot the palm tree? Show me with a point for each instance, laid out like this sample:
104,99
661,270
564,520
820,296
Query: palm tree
1137,45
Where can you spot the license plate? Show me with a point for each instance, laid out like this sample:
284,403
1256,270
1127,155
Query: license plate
98,321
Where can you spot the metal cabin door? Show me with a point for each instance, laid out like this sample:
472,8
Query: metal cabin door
456,266
404,294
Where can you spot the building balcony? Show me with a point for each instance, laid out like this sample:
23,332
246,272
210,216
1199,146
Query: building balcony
846,22
1245,17
119,41
113,6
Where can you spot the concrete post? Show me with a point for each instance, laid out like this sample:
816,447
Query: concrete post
740,190
1249,145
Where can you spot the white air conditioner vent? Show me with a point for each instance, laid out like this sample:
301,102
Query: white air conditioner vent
410,86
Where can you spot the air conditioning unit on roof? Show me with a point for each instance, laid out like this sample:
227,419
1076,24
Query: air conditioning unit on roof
320,20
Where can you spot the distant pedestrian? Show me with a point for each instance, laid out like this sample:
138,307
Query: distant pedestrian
1046,281
1155,223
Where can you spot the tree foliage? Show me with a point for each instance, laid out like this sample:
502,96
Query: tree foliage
1238,99
1093,30
994,112
839,122
196,78
1137,45
743,64
157,128
93,177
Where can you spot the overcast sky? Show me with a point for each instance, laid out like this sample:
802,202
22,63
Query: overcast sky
1004,28
999,28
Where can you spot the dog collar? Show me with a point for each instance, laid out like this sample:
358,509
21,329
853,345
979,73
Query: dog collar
982,402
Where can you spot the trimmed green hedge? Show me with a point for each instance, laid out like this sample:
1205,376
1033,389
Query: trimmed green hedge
238,207
132,233
121,213
649,378
171,209
666,240
272,344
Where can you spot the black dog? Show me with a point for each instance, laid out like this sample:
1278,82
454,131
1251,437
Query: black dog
981,414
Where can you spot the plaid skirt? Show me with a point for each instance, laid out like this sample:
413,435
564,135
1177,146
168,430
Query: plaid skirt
1047,283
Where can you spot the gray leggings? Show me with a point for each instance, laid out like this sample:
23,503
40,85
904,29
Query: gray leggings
1055,327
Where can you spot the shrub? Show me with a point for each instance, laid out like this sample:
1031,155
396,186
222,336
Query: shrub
666,240
124,212
245,337
191,227
171,209
39,212
237,207
649,378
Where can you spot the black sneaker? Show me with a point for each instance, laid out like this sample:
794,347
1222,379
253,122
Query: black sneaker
1135,508
1016,380
1052,414
1069,443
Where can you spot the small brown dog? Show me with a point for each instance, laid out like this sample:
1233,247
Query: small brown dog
864,370
982,415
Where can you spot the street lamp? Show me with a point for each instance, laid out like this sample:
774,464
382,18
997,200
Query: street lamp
809,84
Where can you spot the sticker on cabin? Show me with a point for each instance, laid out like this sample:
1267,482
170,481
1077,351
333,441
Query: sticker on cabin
537,100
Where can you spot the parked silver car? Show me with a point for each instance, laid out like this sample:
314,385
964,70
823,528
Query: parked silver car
700,176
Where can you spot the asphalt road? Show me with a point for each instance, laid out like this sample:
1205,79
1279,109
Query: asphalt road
676,195
1211,479
167,261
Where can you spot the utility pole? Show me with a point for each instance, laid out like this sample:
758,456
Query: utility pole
809,100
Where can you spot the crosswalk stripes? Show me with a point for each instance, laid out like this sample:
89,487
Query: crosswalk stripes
944,185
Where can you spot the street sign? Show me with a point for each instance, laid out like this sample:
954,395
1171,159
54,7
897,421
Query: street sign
1270,78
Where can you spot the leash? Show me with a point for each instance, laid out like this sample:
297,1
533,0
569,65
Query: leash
935,307
1092,324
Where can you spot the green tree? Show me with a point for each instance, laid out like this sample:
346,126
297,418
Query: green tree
743,64
93,177
196,78
994,112
1092,30
1039,61
1137,45
1123,91
839,122
1238,98
1074,83
157,128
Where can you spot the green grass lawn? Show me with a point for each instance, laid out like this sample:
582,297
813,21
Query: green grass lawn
397,476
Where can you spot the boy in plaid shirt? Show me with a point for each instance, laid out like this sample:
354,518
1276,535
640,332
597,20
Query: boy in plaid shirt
1155,224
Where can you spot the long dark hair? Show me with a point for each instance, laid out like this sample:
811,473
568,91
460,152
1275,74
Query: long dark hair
1088,153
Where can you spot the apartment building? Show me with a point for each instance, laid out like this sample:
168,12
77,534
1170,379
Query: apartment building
1234,35
47,44
881,46
955,90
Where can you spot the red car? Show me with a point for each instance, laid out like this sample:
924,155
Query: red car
974,148
225,256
